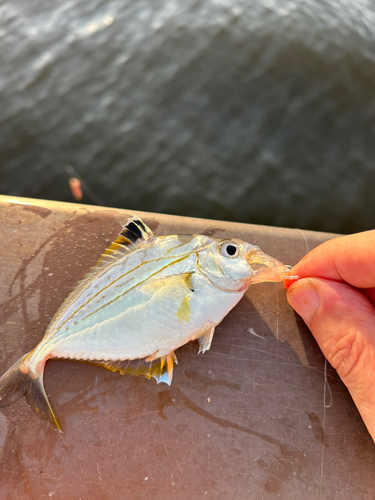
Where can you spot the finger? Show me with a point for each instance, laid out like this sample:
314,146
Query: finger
343,322
370,294
348,258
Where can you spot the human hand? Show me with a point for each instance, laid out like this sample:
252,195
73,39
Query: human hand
336,298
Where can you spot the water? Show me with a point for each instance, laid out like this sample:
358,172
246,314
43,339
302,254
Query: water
256,111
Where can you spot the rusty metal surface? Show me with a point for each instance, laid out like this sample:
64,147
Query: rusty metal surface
253,418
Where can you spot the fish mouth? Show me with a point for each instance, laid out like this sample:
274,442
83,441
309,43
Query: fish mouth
266,268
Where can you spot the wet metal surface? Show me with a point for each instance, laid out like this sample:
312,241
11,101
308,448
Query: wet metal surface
253,418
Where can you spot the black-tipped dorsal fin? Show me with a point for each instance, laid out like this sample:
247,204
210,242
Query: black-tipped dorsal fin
136,227
134,232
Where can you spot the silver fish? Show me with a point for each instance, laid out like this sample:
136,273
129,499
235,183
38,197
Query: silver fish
146,297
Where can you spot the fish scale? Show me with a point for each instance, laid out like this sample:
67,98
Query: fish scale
117,277
146,297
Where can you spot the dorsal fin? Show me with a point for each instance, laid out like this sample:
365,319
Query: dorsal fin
133,233
136,226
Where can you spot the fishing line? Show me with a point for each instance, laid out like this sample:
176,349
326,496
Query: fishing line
71,171
45,130
325,405
327,386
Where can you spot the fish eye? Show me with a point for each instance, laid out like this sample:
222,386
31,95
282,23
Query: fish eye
229,249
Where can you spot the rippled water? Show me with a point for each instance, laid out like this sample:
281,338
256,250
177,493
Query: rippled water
258,111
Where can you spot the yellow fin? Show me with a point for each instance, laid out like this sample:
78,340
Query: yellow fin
161,368
163,372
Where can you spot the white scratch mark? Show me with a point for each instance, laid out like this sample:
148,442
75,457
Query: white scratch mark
181,474
173,464
277,320
304,237
141,470
3,430
251,330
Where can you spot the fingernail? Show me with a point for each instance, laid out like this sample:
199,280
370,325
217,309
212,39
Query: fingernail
289,282
304,299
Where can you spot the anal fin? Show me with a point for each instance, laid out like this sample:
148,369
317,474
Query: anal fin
163,372
161,368
205,340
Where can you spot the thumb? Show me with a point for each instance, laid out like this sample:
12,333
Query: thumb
342,321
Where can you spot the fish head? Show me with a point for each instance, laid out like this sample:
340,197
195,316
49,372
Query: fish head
233,265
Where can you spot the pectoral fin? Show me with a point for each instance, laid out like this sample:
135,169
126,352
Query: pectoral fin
205,340
176,282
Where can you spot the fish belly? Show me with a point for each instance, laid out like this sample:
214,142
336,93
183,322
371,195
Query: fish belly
148,322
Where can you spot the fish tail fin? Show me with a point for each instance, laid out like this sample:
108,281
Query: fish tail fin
18,382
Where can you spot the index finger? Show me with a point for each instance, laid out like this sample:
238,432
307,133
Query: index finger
348,258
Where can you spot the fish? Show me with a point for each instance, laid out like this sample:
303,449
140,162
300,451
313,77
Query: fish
146,297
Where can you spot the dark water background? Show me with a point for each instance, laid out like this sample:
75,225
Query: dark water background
257,111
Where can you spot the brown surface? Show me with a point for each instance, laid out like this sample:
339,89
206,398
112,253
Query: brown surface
250,419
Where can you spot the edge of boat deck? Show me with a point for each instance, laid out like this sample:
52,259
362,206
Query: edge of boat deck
259,416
